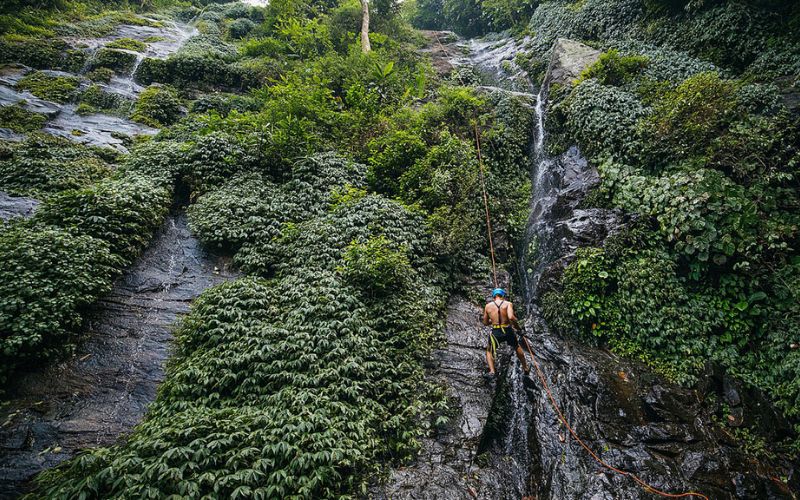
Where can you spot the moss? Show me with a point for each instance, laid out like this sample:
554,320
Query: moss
19,119
100,75
154,39
127,44
49,87
117,60
31,51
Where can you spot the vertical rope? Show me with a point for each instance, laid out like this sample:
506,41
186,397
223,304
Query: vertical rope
485,201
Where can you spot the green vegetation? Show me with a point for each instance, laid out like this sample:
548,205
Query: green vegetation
157,106
708,158
127,44
49,87
115,60
47,275
19,119
307,184
43,165
95,99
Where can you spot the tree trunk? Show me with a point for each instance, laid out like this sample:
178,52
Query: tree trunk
365,47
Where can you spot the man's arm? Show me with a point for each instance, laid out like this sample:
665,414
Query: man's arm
512,318
486,319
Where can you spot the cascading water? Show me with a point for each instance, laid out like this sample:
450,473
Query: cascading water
97,129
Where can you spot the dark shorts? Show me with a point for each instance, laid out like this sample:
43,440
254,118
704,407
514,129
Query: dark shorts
503,336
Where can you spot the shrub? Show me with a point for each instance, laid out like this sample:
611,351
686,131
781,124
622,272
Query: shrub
602,119
687,118
157,106
123,212
47,276
100,75
240,28
127,44
615,69
19,119
51,88
33,52
44,164
97,98
246,208
377,266
161,161
391,155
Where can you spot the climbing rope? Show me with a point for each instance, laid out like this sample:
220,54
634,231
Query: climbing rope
646,486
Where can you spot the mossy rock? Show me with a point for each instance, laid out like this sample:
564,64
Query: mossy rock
127,44
49,87
20,120
117,60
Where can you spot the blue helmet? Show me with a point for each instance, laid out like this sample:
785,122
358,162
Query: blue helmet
498,291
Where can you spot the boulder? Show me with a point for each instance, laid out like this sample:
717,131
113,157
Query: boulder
567,61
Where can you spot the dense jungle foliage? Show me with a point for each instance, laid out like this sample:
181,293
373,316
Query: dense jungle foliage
345,186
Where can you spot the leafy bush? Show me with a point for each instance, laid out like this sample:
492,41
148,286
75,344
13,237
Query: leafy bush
602,119
157,106
376,266
100,75
34,52
391,155
240,28
19,119
686,119
48,87
127,44
161,161
44,164
95,97
615,69
123,212
47,275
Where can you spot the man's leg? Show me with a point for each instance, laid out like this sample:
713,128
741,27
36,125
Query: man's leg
490,360
521,356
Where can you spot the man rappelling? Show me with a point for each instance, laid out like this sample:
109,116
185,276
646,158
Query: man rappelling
499,313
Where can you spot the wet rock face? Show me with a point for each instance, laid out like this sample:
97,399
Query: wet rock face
446,466
103,390
567,61
97,129
637,422
16,206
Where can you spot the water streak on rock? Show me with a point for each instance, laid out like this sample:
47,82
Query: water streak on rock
102,391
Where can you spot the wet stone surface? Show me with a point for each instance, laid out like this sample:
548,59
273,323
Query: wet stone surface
101,392
16,206
97,129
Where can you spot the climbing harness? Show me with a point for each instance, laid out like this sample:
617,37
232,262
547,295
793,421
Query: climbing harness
647,487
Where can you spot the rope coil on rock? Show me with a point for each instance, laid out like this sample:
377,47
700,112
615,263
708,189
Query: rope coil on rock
646,486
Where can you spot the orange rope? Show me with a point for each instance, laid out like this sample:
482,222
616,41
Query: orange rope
647,487
599,460
485,202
